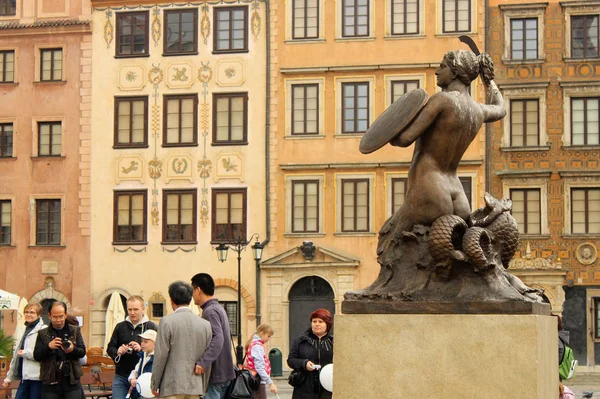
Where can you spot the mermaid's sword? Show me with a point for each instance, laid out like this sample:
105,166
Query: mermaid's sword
469,42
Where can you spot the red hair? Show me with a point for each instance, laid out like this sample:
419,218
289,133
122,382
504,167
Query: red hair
324,315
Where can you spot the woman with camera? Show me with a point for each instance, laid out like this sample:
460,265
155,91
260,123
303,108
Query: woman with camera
308,354
22,366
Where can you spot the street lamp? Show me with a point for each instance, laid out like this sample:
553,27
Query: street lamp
238,246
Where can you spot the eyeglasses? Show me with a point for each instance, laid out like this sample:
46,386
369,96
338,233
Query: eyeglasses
58,317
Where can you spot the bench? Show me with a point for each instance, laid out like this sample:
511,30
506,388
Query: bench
7,392
93,387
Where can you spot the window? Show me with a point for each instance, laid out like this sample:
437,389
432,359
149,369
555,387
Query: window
51,65
231,30
355,18
181,31
179,216
49,139
129,217
6,140
524,123
355,107
158,310
467,186
584,36
456,16
8,7
230,115
180,120
399,186
524,38
401,87
585,120
305,109
131,121
231,310
229,215
355,205
5,222
48,216
305,206
132,34
305,19
526,210
585,210
7,66
405,17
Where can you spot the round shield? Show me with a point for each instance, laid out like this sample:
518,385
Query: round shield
393,120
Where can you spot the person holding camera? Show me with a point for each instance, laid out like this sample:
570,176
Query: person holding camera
125,342
58,348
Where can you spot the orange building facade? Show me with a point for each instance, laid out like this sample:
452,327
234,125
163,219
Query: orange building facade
545,154
45,110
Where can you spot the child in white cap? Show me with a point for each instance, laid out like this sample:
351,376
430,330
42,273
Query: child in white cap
146,357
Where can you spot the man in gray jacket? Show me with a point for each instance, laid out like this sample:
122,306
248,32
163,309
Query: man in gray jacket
217,357
182,339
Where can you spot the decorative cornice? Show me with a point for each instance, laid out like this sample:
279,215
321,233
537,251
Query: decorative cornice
44,24
524,173
580,3
523,6
523,85
363,165
529,262
345,68
579,173
579,83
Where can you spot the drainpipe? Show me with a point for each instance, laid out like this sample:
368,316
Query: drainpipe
488,132
267,157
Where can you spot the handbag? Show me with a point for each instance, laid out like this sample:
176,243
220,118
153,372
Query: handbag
242,386
296,378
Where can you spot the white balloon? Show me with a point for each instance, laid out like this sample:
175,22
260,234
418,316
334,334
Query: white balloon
143,385
326,377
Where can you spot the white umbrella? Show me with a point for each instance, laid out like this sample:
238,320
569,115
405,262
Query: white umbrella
20,320
8,301
114,314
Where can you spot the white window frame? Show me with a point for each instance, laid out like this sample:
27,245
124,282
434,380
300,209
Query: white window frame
519,11
339,120
15,63
17,15
38,59
36,135
289,179
33,218
389,79
473,176
535,91
576,181
339,177
573,9
289,33
579,89
440,19
540,183
339,23
388,190
288,107
389,19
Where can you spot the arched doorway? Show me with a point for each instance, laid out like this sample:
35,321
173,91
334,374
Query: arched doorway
307,295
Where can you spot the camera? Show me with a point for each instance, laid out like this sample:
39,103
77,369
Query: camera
65,342
130,350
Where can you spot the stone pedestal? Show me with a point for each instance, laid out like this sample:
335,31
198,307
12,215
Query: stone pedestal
450,356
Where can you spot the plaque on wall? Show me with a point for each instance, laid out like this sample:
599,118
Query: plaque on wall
130,169
180,75
179,167
49,267
132,77
231,72
229,166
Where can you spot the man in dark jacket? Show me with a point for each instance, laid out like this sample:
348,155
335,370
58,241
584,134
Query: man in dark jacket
124,344
58,348
217,359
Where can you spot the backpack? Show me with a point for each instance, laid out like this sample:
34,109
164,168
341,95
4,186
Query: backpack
568,364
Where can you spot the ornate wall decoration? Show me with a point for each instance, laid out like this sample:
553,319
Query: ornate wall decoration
180,75
205,23
179,167
229,166
131,77
204,165
255,21
155,77
156,26
108,28
130,168
586,253
231,72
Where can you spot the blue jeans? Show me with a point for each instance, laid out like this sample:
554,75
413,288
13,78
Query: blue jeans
29,389
120,387
217,391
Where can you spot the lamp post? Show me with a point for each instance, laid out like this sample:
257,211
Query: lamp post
238,246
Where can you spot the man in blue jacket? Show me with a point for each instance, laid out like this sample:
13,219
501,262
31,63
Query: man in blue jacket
217,359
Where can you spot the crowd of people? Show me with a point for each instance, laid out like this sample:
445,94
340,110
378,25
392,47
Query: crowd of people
187,355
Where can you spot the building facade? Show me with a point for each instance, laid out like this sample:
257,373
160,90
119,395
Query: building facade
545,153
335,67
179,150
45,114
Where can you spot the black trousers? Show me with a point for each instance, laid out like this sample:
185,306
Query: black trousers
63,390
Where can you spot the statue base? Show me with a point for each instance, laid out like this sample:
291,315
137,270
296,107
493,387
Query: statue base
448,356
